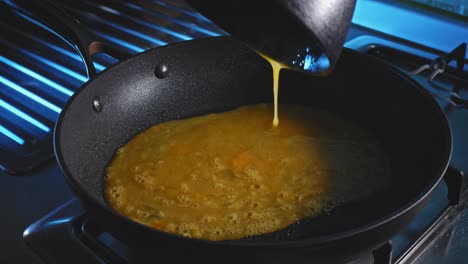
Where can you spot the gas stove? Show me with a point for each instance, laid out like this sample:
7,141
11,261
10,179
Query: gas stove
44,223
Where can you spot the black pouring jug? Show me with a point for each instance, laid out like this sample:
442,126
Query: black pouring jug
306,35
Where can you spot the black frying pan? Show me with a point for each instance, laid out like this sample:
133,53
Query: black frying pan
218,74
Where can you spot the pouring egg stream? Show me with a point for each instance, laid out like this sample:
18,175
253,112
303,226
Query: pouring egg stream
276,68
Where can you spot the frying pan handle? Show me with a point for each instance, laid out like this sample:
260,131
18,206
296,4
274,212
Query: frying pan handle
57,21
454,178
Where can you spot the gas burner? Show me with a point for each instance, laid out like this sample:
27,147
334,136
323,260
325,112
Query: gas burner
68,235
82,241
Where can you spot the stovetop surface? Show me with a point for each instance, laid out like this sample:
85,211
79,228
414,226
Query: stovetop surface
27,197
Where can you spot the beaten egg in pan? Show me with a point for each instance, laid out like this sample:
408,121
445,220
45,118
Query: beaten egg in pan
233,175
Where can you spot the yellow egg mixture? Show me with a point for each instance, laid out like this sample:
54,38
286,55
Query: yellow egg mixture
231,175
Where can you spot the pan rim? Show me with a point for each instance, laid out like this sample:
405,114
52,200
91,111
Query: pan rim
308,241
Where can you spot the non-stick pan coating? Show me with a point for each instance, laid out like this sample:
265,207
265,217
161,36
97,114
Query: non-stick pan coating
218,74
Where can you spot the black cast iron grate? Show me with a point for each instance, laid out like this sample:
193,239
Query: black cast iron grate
39,72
